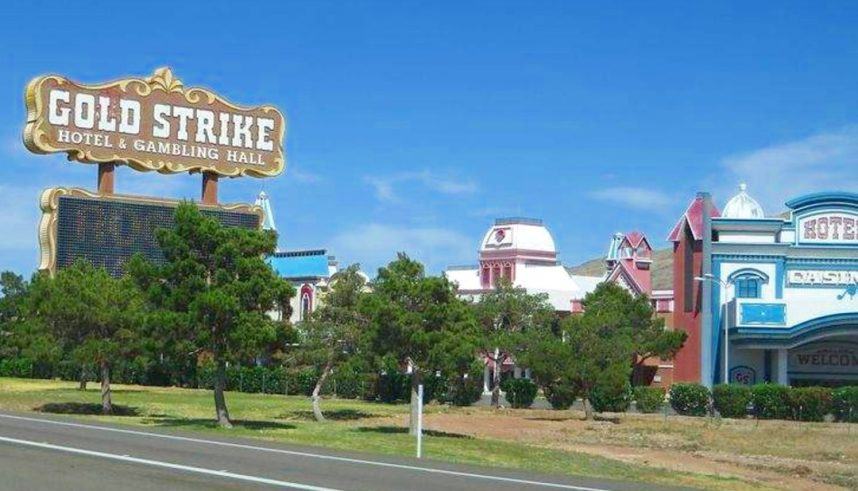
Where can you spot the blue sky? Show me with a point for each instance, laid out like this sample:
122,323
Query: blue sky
413,124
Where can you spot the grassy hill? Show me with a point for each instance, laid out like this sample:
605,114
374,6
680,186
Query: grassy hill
662,268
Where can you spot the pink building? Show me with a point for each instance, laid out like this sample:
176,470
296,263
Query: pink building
523,251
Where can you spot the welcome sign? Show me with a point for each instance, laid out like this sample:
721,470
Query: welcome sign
153,124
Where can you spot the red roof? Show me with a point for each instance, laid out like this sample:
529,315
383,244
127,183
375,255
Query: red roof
623,269
635,238
694,217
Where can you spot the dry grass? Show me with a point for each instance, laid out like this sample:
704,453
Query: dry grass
696,452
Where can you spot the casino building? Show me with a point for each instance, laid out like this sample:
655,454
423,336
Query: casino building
309,270
522,250
768,299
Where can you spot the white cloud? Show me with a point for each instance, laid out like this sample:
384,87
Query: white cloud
385,187
634,197
375,245
774,174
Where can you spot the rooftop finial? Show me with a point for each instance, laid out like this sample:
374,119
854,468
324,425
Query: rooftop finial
743,187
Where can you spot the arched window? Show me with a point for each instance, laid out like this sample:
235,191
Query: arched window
306,302
486,279
496,275
747,287
748,283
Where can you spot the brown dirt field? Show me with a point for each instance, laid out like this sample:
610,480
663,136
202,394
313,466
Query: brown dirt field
776,454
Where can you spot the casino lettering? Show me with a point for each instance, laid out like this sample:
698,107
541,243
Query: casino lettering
91,111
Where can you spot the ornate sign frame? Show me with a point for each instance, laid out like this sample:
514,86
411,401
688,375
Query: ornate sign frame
162,86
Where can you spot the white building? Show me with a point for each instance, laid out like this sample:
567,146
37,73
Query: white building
523,251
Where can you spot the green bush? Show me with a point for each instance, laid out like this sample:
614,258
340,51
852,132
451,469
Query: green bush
810,403
520,392
731,400
561,396
393,387
844,402
649,399
16,367
611,398
434,387
689,399
771,401
464,389
347,382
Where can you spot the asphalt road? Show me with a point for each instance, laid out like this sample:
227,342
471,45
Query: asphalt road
46,453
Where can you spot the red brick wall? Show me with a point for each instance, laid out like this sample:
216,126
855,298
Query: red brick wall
687,362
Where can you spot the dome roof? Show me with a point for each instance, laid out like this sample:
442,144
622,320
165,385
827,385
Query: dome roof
743,206
522,234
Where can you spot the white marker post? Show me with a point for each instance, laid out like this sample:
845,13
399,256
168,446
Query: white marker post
419,421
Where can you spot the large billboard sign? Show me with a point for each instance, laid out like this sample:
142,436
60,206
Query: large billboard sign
108,230
154,123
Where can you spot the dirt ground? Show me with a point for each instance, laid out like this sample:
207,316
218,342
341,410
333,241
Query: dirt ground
778,454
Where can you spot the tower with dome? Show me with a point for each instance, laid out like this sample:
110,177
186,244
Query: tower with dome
523,251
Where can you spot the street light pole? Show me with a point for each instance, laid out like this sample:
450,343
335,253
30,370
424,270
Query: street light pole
726,284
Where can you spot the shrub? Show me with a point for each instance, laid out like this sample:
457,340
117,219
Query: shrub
810,403
771,401
347,382
393,387
649,399
302,381
689,399
611,398
560,395
731,400
464,390
434,387
520,392
844,402
16,367
369,387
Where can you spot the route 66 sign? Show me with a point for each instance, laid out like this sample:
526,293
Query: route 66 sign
743,375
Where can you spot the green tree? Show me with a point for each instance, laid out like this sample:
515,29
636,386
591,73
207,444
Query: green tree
216,290
98,314
503,314
650,337
418,321
331,334
588,350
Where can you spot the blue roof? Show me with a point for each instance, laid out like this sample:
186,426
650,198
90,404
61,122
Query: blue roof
300,264
829,197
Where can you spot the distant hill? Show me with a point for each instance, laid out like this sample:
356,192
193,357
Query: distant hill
662,268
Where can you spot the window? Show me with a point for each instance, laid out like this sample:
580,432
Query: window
747,287
305,306
747,282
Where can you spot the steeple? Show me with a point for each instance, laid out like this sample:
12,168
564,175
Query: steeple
268,221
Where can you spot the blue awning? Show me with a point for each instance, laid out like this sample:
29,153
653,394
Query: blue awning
300,265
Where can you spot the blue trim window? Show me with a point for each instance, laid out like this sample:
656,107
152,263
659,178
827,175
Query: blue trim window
747,286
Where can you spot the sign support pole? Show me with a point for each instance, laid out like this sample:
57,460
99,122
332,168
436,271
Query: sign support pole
420,421
209,194
106,173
